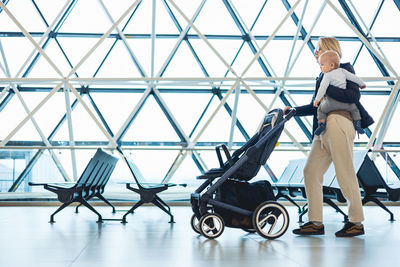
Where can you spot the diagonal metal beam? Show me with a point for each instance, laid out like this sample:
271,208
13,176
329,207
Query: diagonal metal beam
103,37
98,112
36,157
378,10
258,53
125,42
386,62
52,34
216,91
112,143
35,124
296,21
7,99
116,40
183,36
355,23
397,3
174,123
5,2
242,27
29,37
128,122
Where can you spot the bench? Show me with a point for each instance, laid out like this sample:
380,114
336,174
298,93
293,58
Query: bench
375,187
147,191
291,184
90,184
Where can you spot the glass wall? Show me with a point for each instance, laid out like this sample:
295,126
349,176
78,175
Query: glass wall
168,80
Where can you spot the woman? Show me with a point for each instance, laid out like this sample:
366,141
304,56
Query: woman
335,145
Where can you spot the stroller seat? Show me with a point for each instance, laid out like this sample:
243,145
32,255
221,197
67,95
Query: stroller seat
269,218
212,173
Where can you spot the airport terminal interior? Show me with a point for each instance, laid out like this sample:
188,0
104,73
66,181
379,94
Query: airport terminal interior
174,132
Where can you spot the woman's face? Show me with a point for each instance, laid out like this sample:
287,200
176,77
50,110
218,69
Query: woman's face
318,51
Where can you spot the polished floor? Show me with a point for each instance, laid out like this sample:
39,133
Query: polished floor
27,239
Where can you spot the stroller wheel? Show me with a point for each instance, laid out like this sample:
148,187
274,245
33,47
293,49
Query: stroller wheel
270,219
195,224
211,225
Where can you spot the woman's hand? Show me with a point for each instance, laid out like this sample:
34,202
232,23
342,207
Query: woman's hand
285,109
316,103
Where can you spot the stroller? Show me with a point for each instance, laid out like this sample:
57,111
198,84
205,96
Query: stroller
231,200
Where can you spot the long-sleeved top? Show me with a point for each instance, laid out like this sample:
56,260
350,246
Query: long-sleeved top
336,77
350,95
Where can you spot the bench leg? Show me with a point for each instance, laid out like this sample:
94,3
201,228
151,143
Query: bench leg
106,201
158,204
76,209
279,195
87,205
138,204
333,205
305,210
58,210
379,203
162,202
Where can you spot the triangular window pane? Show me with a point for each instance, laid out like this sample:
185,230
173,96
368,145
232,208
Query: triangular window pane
325,27
163,160
387,21
183,64
115,107
84,127
84,11
119,63
16,50
44,170
151,124
222,23
11,116
242,62
271,17
187,108
43,68
77,48
26,15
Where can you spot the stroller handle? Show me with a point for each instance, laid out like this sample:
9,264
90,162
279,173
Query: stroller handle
290,113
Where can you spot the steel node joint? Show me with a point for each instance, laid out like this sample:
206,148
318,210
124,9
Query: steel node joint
216,90
52,34
84,89
246,37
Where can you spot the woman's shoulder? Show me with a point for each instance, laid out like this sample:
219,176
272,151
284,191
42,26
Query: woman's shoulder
347,66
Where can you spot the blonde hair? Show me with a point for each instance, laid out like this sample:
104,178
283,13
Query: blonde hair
330,43
332,56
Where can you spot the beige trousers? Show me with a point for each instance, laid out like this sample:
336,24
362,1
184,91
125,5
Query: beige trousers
335,144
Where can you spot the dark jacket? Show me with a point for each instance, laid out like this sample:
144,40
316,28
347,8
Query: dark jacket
349,95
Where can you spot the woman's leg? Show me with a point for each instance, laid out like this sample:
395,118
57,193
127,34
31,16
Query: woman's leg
318,162
340,139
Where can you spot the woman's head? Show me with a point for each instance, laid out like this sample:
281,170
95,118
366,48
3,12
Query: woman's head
325,44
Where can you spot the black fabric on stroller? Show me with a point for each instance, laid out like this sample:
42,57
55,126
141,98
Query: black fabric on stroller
229,199
257,156
244,195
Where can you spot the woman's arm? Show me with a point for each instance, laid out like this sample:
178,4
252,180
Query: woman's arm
349,95
306,110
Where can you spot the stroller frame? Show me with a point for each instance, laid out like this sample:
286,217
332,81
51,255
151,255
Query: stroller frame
211,224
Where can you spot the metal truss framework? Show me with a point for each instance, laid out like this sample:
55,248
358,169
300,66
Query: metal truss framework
156,85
